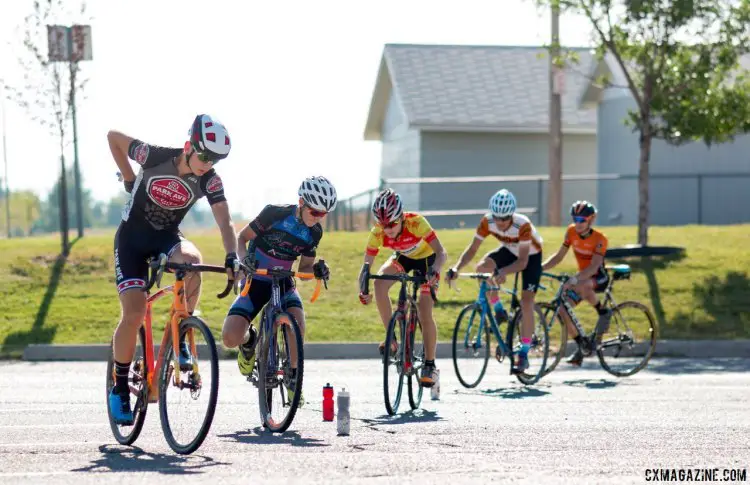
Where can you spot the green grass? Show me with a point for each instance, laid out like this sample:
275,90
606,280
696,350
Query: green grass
46,299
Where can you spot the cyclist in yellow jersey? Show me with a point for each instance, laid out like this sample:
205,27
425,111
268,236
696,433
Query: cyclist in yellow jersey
416,247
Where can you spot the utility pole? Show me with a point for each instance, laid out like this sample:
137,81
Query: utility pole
556,80
77,171
5,160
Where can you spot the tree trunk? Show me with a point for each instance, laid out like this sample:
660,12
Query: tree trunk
643,179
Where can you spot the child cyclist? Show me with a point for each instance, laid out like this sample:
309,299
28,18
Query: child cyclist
589,247
275,239
416,247
520,252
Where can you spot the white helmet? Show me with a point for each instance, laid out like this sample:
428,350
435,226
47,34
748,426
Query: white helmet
502,204
318,193
209,137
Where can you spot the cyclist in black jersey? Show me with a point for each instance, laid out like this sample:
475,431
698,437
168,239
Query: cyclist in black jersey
169,182
276,238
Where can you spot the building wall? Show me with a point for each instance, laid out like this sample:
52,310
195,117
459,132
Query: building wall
448,154
400,151
689,184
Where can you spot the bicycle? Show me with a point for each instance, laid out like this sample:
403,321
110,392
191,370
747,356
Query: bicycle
409,359
278,351
466,344
141,377
623,339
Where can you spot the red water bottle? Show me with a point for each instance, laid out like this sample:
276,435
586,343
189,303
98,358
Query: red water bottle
327,402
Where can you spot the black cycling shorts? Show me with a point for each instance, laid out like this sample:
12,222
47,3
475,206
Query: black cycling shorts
409,264
133,247
531,275
260,293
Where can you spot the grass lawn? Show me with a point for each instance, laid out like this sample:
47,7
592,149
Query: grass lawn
46,299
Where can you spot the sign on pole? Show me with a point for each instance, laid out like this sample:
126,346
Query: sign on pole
69,44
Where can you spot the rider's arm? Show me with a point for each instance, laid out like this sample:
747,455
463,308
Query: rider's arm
226,227
468,254
243,238
589,271
440,254
306,264
118,145
555,259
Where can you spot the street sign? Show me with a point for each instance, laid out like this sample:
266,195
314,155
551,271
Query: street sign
69,44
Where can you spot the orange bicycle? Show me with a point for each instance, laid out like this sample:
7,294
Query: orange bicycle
145,388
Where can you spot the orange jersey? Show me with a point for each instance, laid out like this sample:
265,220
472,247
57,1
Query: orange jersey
521,231
413,242
585,249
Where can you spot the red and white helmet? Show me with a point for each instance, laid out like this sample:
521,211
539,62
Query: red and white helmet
387,206
209,137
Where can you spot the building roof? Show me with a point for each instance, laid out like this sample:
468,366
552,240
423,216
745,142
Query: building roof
477,89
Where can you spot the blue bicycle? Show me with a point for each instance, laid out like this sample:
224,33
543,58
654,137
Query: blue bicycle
472,339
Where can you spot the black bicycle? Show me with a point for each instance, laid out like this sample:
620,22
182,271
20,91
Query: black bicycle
624,346
405,333
279,363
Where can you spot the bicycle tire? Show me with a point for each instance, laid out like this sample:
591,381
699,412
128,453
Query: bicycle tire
392,407
460,345
417,362
654,330
165,381
141,406
265,394
540,325
554,358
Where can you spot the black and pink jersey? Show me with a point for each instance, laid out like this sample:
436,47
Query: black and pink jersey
160,197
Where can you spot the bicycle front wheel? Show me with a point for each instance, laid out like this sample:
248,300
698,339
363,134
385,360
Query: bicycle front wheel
138,384
187,397
417,357
558,335
393,363
280,371
629,342
471,345
539,348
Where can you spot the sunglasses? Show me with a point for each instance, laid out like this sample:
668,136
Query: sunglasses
203,157
391,224
315,212
579,219
503,219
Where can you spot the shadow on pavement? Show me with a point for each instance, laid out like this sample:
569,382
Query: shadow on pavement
413,416
696,366
592,383
258,436
119,458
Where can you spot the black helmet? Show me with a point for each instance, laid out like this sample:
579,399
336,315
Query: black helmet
582,208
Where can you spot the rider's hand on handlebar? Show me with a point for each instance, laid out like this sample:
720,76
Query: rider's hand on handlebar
433,278
232,264
451,274
499,276
321,270
365,299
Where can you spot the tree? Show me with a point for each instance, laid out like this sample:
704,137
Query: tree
47,87
680,60
24,211
50,211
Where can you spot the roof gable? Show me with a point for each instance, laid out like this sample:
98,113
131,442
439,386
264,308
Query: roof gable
476,88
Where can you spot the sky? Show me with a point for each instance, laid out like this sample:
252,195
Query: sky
292,81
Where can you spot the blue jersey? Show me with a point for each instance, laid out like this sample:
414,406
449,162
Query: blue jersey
281,237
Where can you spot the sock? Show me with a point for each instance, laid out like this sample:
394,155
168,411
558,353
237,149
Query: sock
525,345
121,378
429,363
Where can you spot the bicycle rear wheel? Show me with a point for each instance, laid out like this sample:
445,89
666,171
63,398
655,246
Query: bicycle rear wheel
138,383
417,356
279,387
629,342
393,363
558,335
471,345
184,421
539,349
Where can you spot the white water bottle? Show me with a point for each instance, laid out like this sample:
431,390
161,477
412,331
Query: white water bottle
342,414
435,389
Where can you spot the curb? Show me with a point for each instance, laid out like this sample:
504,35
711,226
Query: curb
328,351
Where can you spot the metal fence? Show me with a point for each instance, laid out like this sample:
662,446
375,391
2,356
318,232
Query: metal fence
675,199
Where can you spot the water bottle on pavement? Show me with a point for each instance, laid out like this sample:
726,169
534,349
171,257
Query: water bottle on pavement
327,403
435,389
342,423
